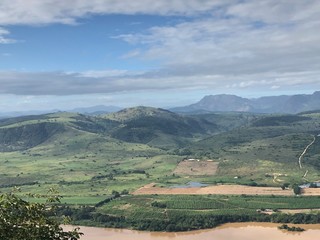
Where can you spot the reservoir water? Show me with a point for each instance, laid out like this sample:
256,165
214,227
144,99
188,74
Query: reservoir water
190,185
230,231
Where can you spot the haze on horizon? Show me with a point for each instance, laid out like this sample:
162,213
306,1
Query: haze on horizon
58,54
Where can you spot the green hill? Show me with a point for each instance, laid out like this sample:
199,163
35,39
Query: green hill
22,133
269,146
159,127
87,157
27,136
153,126
128,114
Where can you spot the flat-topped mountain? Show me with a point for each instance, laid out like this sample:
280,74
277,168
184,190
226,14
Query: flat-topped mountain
273,104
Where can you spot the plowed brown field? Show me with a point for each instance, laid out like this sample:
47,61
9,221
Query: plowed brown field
222,190
311,191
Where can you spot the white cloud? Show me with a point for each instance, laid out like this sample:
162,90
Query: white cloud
3,38
34,12
247,46
232,46
258,45
3,31
63,84
101,74
276,11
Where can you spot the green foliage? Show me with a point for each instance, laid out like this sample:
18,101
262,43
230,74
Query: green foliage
22,220
115,194
27,136
279,120
158,204
285,185
234,203
296,189
124,192
84,157
187,212
177,220
16,120
291,229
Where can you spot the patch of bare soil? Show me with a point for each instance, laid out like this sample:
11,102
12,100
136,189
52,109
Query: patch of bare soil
196,167
217,189
311,191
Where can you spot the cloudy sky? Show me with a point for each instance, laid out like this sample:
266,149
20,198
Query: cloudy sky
77,53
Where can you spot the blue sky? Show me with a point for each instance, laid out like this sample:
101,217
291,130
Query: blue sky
61,54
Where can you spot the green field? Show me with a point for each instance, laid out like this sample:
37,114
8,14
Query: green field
86,158
81,158
176,213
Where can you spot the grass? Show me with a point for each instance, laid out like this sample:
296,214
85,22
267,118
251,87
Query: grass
141,206
74,200
259,153
80,163
85,167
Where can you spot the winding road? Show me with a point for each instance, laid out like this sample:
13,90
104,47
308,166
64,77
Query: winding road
304,152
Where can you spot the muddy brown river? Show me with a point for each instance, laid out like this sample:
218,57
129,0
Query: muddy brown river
230,231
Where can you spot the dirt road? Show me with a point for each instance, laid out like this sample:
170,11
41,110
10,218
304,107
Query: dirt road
305,150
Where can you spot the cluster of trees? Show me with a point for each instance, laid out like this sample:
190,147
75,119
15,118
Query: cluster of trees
158,204
182,222
291,229
115,194
295,187
185,223
22,220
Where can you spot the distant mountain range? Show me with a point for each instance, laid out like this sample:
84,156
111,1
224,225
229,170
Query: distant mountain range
94,110
291,104
273,104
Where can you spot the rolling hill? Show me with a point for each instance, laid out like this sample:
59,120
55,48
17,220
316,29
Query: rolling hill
159,127
269,146
90,156
146,125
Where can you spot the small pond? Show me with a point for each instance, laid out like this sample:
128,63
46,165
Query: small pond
190,185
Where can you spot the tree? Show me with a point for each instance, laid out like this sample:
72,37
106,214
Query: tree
115,194
297,189
22,220
285,185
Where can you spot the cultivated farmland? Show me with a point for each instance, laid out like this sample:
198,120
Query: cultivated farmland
196,167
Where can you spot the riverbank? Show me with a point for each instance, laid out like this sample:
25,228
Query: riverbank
229,231
174,213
